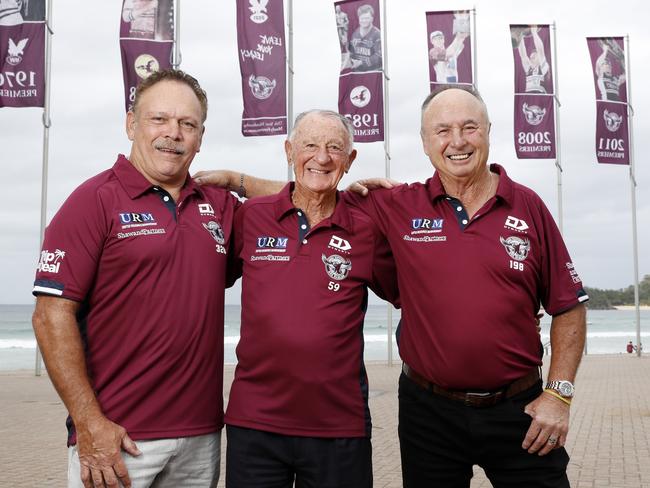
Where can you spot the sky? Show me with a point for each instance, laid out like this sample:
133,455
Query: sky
87,113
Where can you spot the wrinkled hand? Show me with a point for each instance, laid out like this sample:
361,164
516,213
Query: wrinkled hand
216,177
99,445
363,186
550,421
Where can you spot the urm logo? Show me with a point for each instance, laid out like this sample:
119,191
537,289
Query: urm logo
133,218
272,242
421,223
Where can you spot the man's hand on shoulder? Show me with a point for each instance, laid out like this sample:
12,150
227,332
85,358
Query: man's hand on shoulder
100,443
362,187
549,427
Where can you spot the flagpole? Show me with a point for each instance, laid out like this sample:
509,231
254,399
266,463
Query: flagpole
389,307
176,53
289,77
46,146
630,113
474,65
558,136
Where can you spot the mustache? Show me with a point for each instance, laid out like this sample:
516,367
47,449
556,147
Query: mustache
169,146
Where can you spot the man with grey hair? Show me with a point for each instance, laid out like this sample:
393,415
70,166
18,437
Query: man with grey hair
298,406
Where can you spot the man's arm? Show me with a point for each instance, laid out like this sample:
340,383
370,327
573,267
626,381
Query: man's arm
523,55
550,414
242,184
98,439
539,45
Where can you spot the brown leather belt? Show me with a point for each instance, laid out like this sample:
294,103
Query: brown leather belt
475,398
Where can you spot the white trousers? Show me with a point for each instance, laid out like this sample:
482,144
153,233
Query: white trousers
166,463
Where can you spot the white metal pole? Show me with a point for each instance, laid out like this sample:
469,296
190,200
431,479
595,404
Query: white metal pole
46,145
389,307
630,113
474,65
558,135
290,77
176,54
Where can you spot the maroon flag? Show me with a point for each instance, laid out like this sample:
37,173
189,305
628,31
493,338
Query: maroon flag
260,38
534,93
146,40
361,84
608,65
22,53
450,47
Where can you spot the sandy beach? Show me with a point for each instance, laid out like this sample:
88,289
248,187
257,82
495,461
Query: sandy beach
609,440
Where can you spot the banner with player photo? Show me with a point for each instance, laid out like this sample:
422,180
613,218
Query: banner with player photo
361,84
22,53
262,63
608,66
534,93
449,45
146,41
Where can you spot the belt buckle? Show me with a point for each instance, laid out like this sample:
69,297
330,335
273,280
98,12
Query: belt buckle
475,398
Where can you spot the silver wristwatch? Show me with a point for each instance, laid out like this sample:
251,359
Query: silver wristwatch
563,387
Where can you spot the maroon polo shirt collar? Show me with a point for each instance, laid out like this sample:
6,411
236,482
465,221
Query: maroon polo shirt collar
135,184
504,190
340,217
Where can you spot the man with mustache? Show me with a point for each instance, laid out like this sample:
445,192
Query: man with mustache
129,323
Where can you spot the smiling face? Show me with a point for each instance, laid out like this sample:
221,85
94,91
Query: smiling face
455,134
365,20
166,129
320,153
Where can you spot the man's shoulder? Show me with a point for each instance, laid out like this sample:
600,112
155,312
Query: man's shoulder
93,186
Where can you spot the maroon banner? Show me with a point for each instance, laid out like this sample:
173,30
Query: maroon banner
22,53
361,84
608,66
534,107
260,38
146,41
450,48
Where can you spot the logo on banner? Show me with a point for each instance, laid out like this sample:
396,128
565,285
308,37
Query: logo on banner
612,120
337,267
261,86
215,231
16,51
258,7
360,96
145,65
50,262
534,114
516,247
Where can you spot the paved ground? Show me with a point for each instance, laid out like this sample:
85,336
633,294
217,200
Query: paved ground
609,440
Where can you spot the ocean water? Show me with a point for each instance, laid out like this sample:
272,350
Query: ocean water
608,332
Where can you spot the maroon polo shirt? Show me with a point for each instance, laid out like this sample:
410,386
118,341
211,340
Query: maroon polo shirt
470,289
150,276
304,294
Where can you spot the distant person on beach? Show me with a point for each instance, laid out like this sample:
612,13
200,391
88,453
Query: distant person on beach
476,254
128,319
630,347
298,405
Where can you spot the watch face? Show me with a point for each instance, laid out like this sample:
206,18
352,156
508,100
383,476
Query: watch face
566,389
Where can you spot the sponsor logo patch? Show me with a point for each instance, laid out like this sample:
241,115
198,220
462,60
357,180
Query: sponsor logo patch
515,224
337,267
137,219
516,247
421,225
271,244
206,209
50,262
340,244
573,273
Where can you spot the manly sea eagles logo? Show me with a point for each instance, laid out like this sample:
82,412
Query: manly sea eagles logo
215,231
516,247
16,51
337,267
261,87
534,114
145,65
612,120
360,96
258,9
